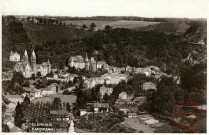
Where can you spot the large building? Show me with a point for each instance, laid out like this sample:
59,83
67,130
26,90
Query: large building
89,64
28,68
15,57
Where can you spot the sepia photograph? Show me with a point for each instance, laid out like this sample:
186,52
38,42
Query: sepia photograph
104,66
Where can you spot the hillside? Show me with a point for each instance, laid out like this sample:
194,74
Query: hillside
163,44
14,37
18,36
39,34
167,27
194,30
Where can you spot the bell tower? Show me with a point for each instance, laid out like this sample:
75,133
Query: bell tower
33,61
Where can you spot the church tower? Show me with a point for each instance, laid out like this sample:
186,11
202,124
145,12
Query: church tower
33,61
48,67
87,64
25,56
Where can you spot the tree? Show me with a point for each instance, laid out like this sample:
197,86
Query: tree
56,104
50,74
68,107
25,103
26,84
18,119
38,74
28,18
106,97
107,28
92,26
5,128
33,76
84,26
18,78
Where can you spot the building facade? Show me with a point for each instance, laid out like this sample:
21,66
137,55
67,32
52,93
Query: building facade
28,68
78,62
15,57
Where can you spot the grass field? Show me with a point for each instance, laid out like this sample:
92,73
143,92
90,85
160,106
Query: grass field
114,24
64,98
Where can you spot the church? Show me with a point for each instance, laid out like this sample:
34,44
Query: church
28,68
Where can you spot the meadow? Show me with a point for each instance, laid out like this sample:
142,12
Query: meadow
115,24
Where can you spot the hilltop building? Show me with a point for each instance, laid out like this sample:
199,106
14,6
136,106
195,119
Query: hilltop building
28,68
15,57
78,62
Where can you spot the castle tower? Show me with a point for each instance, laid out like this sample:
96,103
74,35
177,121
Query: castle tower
25,56
33,61
93,65
48,66
87,63
71,62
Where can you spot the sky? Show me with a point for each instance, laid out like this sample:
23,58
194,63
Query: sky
83,8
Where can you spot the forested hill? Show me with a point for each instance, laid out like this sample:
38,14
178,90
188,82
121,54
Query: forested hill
119,47
193,30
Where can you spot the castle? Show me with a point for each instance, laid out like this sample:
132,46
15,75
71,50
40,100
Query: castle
28,68
80,63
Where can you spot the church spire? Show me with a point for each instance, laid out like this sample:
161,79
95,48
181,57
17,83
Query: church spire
33,54
26,54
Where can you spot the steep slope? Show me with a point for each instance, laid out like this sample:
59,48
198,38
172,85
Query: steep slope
38,34
14,38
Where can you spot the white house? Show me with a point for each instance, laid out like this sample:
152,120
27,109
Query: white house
15,57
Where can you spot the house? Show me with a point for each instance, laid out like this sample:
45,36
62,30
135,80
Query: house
89,83
106,67
82,112
14,57
147,71
138,70
149,86
128,69
32,92
98,107
107,81
155,70
139,100
123,95
71,88
55,88
100,64
131,115
105,90
15,98
9,112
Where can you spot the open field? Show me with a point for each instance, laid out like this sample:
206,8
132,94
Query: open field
64,98
114,24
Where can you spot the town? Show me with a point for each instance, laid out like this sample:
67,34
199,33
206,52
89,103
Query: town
106,83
